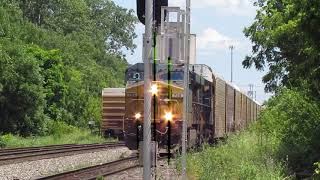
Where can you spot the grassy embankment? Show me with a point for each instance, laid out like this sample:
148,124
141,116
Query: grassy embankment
58,133
242,156
283,144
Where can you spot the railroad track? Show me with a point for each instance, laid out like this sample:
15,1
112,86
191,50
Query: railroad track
102,170
16,155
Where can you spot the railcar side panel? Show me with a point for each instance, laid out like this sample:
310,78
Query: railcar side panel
248,120
237,115
251,110
220,107
230,110
113,110
243,111
255,111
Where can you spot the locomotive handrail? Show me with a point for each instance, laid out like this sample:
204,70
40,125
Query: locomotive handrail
200,104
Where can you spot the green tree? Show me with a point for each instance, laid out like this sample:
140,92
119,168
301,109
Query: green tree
72,50
21,93
54,85
286,40
21,84
109,25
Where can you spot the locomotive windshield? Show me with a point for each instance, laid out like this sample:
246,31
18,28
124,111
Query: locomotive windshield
135,72
174,76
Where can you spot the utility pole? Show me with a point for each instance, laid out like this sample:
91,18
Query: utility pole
255,95
231,51
147,85
186,92
251,92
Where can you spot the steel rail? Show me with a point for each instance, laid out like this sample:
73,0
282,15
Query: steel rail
102,170
38,154
28,150
4,150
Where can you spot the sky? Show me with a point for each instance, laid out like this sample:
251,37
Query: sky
217,24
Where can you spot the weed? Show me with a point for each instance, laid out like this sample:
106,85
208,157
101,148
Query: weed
99,177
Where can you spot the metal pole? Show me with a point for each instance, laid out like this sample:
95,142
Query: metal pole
186,93
147,95
231,49
169,105
155,103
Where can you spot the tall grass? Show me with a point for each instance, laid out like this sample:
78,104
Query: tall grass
58,133
242,156
284,142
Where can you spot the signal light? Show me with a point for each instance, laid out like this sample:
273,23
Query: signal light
157,10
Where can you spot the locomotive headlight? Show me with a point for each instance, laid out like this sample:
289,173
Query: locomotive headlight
137,116
168,116
154,89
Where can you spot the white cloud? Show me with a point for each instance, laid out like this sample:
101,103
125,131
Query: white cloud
211,41
221,7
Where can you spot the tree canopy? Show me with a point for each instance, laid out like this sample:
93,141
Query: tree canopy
55,58
286,36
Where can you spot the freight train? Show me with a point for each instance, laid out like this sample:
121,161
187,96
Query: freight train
216,107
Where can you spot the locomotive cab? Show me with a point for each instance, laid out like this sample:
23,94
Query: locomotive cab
167,105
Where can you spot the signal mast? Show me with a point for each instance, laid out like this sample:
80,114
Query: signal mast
167,31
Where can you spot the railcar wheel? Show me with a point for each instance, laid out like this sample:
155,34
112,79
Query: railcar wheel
109,133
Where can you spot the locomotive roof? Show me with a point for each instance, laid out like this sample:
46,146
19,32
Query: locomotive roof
240,90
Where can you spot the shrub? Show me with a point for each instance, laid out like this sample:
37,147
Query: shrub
2,143
10,140
59,128
294,120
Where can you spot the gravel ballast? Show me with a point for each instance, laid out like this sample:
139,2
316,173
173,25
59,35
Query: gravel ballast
164,171
46,167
